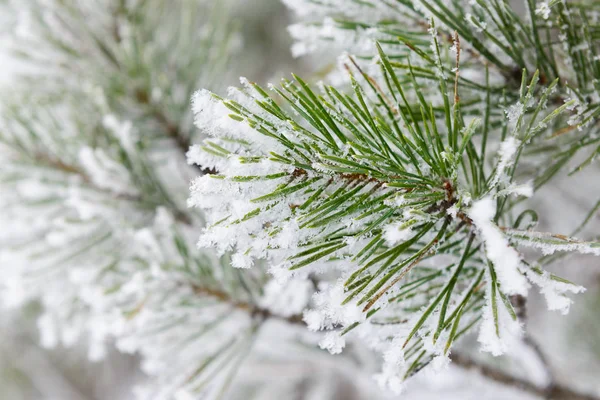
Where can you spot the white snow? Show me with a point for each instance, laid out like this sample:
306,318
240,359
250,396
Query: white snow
543,9
396,232
514,112
554,291
506,153
333,342
505,259
288,299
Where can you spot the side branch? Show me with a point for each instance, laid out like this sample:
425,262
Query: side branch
552,392
172,130
250,308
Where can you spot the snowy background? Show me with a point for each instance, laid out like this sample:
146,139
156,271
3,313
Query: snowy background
571,343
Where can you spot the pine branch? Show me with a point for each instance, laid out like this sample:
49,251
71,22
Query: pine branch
368,183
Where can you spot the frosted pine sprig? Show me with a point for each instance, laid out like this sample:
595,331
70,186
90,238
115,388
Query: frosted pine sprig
378,186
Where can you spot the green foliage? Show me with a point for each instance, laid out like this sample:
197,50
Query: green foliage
380,180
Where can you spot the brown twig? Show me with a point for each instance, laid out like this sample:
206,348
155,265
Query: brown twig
552,392
57,164
250,308
172,130
457,46
519,303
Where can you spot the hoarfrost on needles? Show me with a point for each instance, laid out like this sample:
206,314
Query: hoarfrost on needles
504,258
554,291
543,9
396,233
498,331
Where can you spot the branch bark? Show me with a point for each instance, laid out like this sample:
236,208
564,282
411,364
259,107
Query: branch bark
552,392
173,131
248,307
60,165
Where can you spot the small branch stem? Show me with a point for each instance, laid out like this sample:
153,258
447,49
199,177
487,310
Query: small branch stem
60,165
173,131
252,309
552,392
